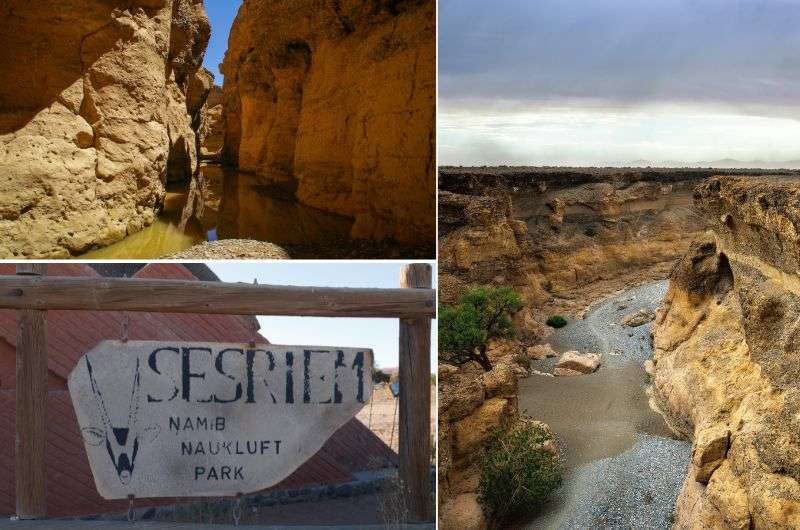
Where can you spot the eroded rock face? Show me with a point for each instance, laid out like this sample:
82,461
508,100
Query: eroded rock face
562,238
93,118
726,357
339,96
212,124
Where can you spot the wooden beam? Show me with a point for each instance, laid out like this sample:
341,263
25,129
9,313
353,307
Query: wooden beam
415,400
180,296
31,406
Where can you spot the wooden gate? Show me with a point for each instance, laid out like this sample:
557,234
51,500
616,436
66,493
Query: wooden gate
32,293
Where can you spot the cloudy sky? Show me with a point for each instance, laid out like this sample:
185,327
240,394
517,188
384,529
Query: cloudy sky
609,82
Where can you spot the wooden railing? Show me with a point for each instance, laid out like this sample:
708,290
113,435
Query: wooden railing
33,293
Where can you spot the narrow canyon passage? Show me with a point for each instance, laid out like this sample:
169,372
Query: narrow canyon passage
624,468
224,203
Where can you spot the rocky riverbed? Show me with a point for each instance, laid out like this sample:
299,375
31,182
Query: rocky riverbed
624,467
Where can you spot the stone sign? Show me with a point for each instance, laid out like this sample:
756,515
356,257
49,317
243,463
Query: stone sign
187,419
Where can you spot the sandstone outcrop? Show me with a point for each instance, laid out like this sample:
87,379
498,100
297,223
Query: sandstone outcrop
93,118
561,238
339,97
211,131
727,357
472,404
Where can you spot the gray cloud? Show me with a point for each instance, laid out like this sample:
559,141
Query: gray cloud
622,52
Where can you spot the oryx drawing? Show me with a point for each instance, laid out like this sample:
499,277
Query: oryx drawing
122,442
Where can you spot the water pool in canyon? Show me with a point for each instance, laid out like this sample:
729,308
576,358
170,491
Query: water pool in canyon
624,468
225,203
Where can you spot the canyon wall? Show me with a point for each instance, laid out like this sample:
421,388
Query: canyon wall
339,97
561,238
94,118
726,364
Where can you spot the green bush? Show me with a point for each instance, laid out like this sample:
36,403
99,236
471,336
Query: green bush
556,321
482,314
517,473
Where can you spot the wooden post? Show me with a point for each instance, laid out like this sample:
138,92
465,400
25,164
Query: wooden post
31,406
415,401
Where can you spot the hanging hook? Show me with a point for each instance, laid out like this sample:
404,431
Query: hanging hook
131,513
237,510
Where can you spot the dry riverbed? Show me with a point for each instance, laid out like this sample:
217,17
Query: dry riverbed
624,468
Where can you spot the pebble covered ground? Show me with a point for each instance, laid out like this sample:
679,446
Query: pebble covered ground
627,473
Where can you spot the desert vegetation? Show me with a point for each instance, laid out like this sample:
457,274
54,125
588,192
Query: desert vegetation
481,315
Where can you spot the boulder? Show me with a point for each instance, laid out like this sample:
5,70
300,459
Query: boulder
576,363
500,381
638,318
709,451
462,512
541,351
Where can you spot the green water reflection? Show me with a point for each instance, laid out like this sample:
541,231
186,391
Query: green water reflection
227,204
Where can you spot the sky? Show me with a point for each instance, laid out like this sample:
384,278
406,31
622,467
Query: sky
605,82
377,333
221,14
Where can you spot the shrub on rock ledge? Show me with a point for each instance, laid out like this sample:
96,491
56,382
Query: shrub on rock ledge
519,471
482,314
556,321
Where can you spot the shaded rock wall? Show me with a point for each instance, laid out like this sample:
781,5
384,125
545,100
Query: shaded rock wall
93,118
212,124
562,238
339,96
726,357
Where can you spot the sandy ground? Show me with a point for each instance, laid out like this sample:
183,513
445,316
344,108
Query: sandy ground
381,415
623,466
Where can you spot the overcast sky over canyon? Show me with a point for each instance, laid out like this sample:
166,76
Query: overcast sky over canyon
608,82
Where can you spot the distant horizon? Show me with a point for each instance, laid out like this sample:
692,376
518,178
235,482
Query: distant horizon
608,82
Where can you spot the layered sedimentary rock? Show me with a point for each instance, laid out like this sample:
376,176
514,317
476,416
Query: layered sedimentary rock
93,118
561,238
727,357
472,404
339,97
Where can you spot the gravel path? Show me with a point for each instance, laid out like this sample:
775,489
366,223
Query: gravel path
623,468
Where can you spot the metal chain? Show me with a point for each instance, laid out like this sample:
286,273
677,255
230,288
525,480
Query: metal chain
237,510
254,323
126,323
131,513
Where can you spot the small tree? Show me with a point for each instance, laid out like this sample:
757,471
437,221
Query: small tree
379,376
482,314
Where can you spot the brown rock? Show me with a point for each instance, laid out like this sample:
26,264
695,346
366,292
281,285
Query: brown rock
541,351
726,357
471,433
576,363
459,396
93,118
339,97
709,451
638,318
463,512
500,381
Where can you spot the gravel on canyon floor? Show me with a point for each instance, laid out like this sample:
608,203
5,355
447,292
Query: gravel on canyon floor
232,249
636,489
624,469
